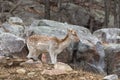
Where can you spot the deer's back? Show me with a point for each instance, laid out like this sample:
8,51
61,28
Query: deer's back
41,41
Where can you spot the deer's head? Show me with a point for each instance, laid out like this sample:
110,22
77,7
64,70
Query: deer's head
73,35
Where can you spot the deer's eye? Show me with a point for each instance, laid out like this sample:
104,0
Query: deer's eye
74,33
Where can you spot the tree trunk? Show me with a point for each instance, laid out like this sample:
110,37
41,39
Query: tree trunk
115,13
119,12
106,3
47,9
91,18
59,3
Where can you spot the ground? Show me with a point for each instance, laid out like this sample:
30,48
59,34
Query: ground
9,71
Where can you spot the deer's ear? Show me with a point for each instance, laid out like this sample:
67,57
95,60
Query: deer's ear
73,32
68,30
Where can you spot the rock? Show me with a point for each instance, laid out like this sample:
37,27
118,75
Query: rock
112,51
111,77
31,74
101,63
82,78
54,27
7,6
1,30
53,72
25,13
109,35
29,61
78,15
9,43
110,39
91,77
94,55
15,20
98,18
58,29
3,59
13,62
75,14
14,25
21,71
62,66
4,75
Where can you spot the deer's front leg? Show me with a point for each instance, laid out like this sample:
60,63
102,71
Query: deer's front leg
52,51
53,57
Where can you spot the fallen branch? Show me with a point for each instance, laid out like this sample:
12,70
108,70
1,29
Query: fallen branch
15,7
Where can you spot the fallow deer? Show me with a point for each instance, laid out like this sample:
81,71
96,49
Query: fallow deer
38,44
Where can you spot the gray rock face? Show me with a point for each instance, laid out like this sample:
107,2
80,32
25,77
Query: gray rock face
101,63
14,20
111,77
9,43
54,28
1,30
75,14
14,25
95,55
110,38
54,25
109,35
112,53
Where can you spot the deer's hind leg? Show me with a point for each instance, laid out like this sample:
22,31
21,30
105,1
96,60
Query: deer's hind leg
44,57
33,53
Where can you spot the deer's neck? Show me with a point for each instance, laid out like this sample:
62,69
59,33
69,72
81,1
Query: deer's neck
65,42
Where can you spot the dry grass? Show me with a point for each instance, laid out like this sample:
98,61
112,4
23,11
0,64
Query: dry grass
9,73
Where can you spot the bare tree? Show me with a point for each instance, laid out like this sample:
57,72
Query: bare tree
115,13
119,12
59,3
91,18
107,12
47,9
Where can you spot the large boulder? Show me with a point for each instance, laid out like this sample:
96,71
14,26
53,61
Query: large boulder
112,52
14,25
58,29
59,26
9,44
55,28
109,35
111,77
1,30
5,8
78,15
75,14
110,38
